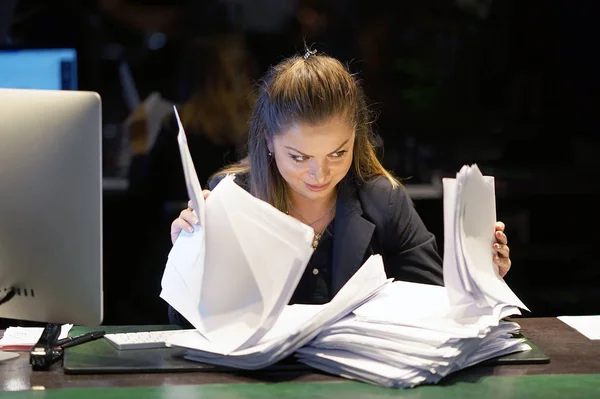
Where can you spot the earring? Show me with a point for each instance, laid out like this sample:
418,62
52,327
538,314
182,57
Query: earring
270,154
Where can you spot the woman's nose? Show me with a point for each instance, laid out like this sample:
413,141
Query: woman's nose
319,171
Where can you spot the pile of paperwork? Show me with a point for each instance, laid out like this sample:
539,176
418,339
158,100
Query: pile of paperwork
412,334
233,277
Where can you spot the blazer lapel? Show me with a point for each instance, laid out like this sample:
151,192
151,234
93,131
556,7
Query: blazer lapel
351,237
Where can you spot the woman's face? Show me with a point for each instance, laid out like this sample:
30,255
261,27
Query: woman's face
313,159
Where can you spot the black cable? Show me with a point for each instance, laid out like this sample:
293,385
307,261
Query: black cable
8,295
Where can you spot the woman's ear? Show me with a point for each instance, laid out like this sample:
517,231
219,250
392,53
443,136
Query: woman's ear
270,146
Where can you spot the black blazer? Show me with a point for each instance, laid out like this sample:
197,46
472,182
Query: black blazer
374,218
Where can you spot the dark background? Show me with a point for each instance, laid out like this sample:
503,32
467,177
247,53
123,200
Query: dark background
512,85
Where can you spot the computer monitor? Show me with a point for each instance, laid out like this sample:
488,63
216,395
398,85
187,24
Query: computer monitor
51,206
39,68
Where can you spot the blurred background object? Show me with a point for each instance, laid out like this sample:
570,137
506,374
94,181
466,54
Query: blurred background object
220,74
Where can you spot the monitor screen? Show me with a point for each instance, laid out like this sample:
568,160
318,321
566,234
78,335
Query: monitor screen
49,69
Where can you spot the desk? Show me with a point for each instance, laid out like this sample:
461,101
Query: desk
574,372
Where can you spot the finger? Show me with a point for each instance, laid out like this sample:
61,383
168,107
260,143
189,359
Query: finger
503,265
501,237
502,250
189,216
181,224
500,226
177,226
205,194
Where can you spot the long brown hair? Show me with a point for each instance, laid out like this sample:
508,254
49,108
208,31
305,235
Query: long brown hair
309,89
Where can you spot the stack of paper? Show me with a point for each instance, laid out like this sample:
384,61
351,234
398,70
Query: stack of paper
296,326
408,335
233,276
411,334
23,338
470,275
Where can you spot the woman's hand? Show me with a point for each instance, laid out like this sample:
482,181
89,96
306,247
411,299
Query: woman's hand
186,220
501,250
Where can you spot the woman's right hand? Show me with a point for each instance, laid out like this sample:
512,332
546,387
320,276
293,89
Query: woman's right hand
186,220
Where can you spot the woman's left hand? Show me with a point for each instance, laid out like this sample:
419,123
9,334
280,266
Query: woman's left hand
501,250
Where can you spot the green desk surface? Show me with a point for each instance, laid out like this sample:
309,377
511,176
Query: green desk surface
529,387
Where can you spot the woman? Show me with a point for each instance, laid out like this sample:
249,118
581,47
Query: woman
311,154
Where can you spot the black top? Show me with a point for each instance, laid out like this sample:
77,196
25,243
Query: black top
315,285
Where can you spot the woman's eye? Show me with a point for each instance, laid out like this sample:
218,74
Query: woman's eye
338,154
298,158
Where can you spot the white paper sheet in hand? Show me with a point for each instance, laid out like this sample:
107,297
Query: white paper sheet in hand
185,265
194,189
255,256
469,219
235,273
455,279
186,262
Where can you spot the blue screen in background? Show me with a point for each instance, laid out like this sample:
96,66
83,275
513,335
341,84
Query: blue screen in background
52,69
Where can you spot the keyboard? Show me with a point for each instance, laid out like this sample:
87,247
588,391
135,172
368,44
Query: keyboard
141,339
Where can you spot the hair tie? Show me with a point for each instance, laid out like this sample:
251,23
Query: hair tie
309,53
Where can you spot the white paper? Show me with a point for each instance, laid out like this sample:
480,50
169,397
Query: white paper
477,236
194,189
233,276
586,325
254,258
470,217
454,280
27,336
185,264
361,287
257,254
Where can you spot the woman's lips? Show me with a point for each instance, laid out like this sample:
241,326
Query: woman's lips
317,188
